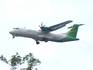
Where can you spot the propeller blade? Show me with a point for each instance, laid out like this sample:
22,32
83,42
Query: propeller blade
41,27
41,24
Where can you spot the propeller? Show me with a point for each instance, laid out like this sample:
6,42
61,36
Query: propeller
41,25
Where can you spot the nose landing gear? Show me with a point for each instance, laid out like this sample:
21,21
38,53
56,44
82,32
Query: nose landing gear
37,42
13,36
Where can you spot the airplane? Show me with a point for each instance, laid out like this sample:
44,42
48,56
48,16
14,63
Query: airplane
45,33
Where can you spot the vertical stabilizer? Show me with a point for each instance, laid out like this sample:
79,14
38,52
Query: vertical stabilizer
74,30
71,35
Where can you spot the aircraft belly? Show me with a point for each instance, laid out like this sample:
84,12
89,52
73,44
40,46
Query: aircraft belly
57,37
23,34
49,37
29,35
18,33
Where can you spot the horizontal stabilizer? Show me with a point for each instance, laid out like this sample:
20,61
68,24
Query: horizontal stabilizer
76,25
74,30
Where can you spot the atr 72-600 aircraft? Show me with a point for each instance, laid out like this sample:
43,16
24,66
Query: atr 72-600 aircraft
45,35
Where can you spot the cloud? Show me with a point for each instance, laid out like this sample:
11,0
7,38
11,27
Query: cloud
18,9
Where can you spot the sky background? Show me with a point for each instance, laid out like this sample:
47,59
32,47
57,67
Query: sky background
76,55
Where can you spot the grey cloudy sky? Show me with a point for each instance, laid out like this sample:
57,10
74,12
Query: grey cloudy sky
76,55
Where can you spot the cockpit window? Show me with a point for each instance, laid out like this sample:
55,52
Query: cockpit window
15,28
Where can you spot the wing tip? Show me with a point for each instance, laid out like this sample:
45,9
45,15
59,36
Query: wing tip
70,20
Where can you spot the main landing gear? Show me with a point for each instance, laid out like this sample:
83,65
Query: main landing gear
45,39
37,42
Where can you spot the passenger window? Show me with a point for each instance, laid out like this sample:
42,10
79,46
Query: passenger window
17,28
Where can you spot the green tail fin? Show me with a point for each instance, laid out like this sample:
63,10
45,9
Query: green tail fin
73,31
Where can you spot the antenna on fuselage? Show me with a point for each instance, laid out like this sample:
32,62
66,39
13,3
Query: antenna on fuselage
24,27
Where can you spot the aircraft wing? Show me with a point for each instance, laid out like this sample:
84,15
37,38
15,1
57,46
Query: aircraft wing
57,26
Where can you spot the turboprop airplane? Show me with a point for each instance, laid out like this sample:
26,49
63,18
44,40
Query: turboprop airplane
45,33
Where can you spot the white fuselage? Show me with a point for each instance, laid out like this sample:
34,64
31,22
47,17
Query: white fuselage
37,35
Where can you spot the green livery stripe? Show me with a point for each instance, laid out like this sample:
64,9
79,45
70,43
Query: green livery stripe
71,36
67,38
73,31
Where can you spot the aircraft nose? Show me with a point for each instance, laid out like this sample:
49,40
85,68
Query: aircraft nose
10,32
